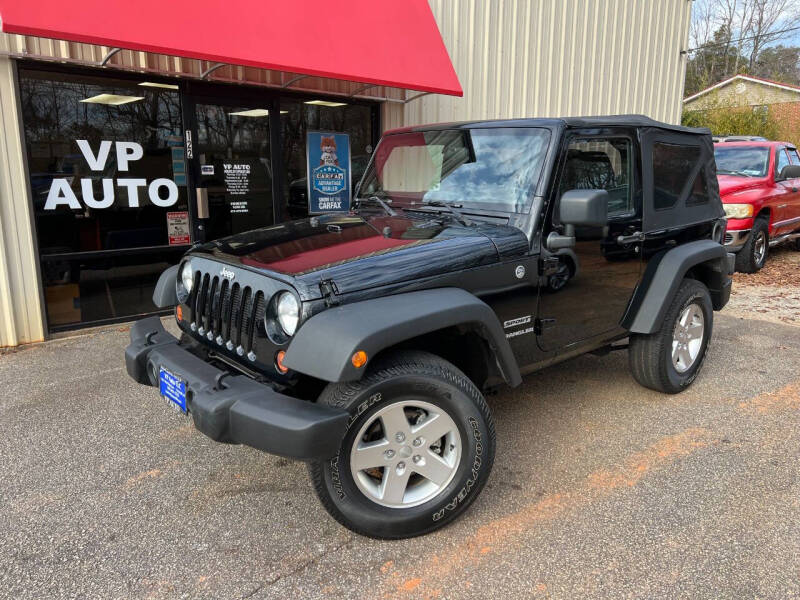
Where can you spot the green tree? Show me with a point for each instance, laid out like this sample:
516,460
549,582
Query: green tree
779,63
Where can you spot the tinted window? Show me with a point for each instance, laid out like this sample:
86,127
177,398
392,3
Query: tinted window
297,119
108,182
781,160
495,169
672,163
600,164
743,161
699,194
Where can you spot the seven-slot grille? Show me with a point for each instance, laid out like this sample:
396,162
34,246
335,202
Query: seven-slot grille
226,313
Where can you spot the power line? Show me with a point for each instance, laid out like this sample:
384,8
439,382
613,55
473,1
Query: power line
742,39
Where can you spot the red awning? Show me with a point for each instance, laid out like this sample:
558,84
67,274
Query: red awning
394,43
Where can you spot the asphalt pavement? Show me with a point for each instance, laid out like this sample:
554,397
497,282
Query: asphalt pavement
600,489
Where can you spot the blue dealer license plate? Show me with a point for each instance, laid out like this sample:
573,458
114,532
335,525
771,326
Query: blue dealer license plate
173,389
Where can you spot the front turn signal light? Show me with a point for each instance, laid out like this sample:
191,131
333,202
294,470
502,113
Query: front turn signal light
279,362
179,312
359,359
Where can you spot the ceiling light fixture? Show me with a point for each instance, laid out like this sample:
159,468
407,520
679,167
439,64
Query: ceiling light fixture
325,103
112,99
254,112
166,86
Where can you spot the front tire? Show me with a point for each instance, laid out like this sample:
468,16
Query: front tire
418,449
669,359
753,254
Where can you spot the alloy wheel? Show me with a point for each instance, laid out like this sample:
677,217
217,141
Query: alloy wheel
687,337
760,247
405,454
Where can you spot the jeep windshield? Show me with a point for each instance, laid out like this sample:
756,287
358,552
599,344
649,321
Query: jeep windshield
489,169
742,161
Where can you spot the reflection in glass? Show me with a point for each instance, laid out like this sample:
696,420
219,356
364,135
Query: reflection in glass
297,118
85,276
493,169
234,153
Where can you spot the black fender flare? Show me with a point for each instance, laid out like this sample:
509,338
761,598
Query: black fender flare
324,345
663,276
165,295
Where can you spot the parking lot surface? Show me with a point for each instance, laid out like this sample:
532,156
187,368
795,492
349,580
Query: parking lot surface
600,488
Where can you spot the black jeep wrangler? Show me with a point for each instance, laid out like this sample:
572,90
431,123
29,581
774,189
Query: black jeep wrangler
476,253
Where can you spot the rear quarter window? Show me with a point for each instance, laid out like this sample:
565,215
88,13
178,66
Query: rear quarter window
672,164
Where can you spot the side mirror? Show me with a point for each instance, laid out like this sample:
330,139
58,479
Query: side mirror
587,208
789,172
584,207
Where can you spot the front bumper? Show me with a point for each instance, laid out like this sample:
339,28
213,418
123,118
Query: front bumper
734,240
230,407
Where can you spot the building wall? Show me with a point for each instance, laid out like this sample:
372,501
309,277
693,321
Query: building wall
787,115
540,58
20,304
742,93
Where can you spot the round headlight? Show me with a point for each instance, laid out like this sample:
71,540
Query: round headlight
288,312
187,276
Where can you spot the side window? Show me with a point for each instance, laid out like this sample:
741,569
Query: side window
781,160
671,165
793,157
601,164
699,193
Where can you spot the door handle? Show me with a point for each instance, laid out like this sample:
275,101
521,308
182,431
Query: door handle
202,203
636,236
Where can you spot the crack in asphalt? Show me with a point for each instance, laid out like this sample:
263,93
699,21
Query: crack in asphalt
299,568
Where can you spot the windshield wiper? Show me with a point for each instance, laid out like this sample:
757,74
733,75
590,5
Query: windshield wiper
450,206
740,173
380,203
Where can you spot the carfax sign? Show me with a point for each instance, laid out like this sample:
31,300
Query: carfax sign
329,185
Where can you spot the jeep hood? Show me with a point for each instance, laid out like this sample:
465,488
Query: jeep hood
357,252
730,184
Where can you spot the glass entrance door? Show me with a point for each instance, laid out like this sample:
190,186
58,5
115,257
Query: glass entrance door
232,161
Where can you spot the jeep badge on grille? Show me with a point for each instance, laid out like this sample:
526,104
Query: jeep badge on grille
227,274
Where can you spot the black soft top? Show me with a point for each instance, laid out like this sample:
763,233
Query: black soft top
565,122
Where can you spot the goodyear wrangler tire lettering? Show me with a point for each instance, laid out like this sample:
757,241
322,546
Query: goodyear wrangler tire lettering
423,388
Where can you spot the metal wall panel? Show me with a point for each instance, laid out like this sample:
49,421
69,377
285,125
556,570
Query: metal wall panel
547,58
20,300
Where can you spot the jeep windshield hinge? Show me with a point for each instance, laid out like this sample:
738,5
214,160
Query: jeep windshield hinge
329,292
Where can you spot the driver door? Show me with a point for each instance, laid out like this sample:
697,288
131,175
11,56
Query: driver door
605,261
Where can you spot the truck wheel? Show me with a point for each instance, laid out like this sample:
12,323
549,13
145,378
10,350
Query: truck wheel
418,448
669,359
753,254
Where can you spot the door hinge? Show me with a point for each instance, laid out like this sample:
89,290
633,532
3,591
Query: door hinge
539,325
548,266
329,292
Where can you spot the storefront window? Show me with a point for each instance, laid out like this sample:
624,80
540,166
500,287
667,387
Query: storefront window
299,117
235,167
109,190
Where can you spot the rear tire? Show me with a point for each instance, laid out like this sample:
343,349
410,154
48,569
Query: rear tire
440,472
754,253
669,359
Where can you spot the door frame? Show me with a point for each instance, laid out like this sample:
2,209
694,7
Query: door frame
201,93
588,133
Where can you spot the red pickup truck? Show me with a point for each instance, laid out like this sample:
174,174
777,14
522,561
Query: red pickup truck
759,183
